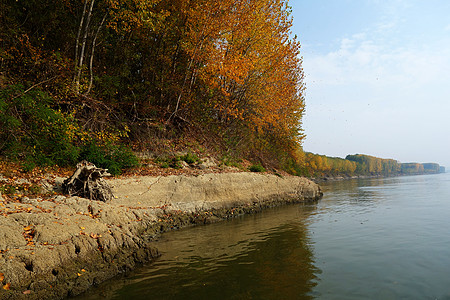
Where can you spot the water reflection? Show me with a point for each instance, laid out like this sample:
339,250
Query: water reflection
383,238
366,239
364,192
255,257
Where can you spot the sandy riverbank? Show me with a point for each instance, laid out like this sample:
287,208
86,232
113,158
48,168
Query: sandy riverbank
58,247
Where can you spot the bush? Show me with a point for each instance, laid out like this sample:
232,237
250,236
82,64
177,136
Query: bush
174,162
257,168
8,189
112,157
34,131
230,161
190,158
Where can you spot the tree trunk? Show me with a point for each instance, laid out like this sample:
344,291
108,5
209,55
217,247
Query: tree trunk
83,47
87,182
91,72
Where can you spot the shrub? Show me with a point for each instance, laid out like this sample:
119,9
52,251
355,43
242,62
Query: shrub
230,161
257,168
8,189
112,157
34,131
190,158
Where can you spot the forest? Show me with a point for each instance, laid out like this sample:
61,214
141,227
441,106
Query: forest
101,79
363,165
104,79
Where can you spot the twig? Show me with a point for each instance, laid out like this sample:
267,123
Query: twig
33,86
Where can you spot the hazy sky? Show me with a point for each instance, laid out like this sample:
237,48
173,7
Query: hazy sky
377,77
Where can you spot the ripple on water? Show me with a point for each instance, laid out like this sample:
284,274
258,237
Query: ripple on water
366,239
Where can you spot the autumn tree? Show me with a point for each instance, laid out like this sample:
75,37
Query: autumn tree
244,72
229,68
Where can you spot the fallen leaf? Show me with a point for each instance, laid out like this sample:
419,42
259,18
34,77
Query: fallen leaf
7,286
95,236
28,228
2,277
27,292
83,270
79,274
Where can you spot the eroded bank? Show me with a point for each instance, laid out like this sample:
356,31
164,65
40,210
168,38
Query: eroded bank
59,247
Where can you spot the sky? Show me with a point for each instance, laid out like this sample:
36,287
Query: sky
377,77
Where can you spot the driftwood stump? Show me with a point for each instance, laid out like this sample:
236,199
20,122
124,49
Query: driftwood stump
87,182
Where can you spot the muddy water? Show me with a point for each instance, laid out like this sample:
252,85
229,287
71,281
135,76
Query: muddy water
366,239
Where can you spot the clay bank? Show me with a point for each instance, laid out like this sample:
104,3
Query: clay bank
59,247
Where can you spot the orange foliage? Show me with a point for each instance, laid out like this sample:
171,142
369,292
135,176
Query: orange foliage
242,50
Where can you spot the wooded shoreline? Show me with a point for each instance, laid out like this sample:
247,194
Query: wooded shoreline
349,177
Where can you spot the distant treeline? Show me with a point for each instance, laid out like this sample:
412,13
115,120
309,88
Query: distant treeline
360,164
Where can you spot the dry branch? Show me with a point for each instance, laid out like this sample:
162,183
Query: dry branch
87,182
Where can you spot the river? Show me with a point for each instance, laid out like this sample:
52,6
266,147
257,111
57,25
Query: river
384,238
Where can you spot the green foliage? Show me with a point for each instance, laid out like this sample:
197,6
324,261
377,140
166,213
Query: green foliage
257,168
190,158
412,168
35,132
431,168
176,164
231,161
112,157
170,162
321,165
295,168
176,160
8,189
28,165
34,189
374,165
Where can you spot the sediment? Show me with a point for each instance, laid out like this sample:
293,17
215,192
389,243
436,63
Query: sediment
60,247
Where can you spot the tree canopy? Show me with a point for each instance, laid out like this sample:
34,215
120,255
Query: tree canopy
230,68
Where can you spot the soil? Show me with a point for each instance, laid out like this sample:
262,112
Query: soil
54,246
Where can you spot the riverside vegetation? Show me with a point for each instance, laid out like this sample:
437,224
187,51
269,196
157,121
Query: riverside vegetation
102,80
96,79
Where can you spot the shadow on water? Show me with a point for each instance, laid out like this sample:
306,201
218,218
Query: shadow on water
263,256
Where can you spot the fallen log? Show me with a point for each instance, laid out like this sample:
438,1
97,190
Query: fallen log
87,182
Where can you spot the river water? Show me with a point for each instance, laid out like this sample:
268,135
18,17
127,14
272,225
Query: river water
366,239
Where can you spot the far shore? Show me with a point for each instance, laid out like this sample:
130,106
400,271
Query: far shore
347,177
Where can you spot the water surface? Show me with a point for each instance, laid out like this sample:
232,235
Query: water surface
366,239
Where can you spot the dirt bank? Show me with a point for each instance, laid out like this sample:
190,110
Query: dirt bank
58,247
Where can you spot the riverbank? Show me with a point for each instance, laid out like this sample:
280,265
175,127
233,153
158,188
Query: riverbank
347,177
319,180
60,246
